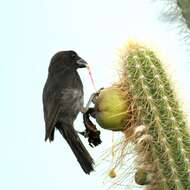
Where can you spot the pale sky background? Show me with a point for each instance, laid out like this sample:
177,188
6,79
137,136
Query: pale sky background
31,32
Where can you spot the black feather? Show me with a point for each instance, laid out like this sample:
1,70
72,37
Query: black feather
77,147
62,101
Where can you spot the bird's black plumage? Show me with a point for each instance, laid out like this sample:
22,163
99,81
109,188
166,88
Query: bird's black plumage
62,101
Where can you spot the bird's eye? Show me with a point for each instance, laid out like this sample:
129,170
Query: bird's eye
73,55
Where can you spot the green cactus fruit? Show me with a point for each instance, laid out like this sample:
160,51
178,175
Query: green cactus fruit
111,108
143,177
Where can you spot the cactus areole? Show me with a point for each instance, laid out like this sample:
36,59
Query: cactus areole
111,109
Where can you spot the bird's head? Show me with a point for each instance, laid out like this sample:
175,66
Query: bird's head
68,59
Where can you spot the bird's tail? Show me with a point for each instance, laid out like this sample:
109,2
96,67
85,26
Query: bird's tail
82,155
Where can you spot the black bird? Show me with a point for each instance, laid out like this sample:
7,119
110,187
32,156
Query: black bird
63,100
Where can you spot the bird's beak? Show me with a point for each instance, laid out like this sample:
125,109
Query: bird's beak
82,63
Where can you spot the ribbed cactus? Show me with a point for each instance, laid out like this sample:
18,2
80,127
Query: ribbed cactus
184,6
152,120
163,146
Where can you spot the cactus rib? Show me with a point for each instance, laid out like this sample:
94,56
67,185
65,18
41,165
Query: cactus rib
153,96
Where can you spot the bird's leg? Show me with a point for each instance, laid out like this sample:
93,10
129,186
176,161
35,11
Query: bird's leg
92,99
86,108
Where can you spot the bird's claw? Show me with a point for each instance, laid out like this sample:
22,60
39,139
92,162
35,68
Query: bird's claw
83,133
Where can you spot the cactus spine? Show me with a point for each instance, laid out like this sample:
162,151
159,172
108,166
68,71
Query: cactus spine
163,148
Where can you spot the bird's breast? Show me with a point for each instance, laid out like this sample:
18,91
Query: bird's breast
71,101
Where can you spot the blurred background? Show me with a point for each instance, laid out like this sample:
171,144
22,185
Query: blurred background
32,31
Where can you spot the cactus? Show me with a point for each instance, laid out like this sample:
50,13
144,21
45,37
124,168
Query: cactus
184,6
164,146
154,122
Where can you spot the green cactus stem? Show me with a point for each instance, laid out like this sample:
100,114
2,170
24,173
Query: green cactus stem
164,146
184,6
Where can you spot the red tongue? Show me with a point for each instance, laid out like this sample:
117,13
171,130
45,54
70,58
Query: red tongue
92,80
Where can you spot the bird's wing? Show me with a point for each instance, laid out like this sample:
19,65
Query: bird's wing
51,112
64,101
